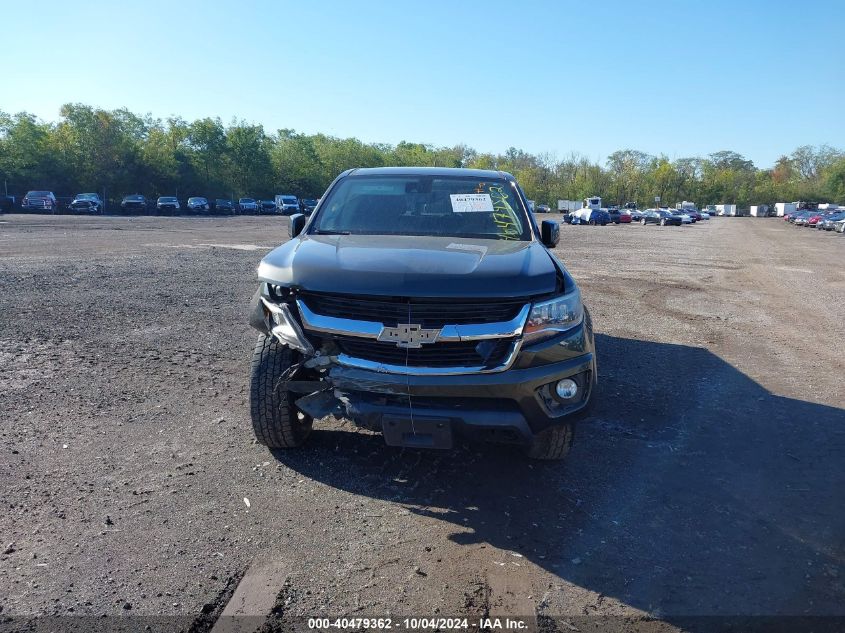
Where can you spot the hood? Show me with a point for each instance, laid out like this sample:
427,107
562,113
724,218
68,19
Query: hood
419,266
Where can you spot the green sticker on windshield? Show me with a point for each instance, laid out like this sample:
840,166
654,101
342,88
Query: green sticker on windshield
503,214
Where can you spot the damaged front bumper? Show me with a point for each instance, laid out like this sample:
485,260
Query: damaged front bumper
510,406
426,410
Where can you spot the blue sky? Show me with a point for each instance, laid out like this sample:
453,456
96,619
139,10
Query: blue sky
680,78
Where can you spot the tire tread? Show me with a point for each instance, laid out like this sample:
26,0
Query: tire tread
553,443
274,420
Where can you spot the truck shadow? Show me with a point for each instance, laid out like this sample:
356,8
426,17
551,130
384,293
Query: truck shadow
705,495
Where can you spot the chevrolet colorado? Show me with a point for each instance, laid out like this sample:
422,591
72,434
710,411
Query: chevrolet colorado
422,303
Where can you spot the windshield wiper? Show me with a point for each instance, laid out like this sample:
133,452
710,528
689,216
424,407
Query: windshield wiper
330,232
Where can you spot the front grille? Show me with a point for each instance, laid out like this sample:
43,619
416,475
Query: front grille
488,353
429,313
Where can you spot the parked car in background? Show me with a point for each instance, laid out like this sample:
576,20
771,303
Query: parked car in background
599,216
307,205
661,217
39,201
636,214
542,208
799,218
685,217
134,203
198,204
587,215
839,226
86,203
828,223
7,203
619,216
167,204
267,207
247,205
224,205
814,218
287,205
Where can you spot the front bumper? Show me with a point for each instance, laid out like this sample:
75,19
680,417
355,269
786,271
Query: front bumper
509,406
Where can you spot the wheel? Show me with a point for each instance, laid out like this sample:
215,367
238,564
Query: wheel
662,221
553,443
592,222
642,221
275,421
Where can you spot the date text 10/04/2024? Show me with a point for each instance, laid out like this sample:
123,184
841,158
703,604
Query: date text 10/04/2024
417,624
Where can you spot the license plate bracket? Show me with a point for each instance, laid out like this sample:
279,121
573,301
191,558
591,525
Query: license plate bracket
417,432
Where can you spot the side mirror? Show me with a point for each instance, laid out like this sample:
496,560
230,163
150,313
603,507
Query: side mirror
550,233
297,223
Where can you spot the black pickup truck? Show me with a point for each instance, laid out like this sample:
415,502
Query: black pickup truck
422,303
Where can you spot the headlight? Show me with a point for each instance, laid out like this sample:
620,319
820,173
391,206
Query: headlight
554,316
285,327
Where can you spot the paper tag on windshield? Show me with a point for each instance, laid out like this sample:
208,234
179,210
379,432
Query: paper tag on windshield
471,203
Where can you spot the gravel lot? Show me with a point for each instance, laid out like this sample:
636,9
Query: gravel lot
708,481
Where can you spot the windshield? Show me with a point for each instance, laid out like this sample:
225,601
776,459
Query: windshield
289,200
86,196
167,199
457,206
42,194
246,200
310,203
134,198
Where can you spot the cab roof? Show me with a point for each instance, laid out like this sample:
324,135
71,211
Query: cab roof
427,171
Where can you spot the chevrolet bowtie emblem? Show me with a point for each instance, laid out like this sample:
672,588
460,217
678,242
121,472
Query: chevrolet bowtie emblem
410,335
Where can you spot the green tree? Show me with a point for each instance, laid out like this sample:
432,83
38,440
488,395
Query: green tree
207,138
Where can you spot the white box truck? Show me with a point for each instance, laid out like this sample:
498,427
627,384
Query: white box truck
760,210
726,209
568,206
783,208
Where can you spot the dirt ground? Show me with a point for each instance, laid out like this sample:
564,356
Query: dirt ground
708,480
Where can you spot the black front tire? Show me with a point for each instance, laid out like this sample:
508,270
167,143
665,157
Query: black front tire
275,421
553,443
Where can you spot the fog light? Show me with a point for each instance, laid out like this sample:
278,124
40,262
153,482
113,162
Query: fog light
566,389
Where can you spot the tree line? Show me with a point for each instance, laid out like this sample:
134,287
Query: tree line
119,152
